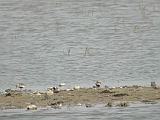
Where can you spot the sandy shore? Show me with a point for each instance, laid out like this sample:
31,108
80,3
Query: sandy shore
21,99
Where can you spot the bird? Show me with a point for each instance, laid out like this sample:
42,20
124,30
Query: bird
20,85
98,84
56,90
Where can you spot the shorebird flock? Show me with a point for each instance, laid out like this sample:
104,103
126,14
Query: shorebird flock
55,89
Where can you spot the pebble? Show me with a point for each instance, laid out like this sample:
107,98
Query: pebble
110,104
38,94
50,88
49,92
76,87
88,105
123,104
57,106
67,89
79,104
62,84
31,107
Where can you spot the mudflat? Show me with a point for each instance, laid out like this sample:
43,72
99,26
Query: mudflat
12,99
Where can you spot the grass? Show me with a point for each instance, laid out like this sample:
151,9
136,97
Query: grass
115,29
69,52
87,13
87,51
154,8
135,28
142,8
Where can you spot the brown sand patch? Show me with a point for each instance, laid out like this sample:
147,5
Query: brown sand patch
19,99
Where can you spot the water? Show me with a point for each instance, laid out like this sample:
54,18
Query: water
122,41
134,111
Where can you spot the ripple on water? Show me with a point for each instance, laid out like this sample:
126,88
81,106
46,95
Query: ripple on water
136,110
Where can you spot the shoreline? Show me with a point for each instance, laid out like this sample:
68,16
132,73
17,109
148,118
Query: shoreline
15,99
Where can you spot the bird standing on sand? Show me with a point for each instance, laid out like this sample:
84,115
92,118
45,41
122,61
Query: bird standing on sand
56,90
20,85
98,84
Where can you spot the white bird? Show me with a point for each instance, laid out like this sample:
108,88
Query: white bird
20,85
98,84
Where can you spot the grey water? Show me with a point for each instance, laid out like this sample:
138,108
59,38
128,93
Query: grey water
98,112
44,43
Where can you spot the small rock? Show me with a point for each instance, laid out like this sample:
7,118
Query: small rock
67,89
149,101
106,86
136,86
8,94
62,84
76,87
31,107
120,95
153,84
56,105
123,104
38,94
94,86
50,88
56,91
79,104
88,105
106,91
110,104
7,90
49,92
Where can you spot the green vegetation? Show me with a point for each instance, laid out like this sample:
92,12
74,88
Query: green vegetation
142,8
135,28
87,13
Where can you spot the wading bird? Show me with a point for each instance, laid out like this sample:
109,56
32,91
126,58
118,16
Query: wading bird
98,84
20,85
56,90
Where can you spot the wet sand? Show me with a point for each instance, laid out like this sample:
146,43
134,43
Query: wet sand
12,99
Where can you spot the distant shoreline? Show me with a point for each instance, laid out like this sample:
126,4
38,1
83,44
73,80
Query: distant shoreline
14,99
